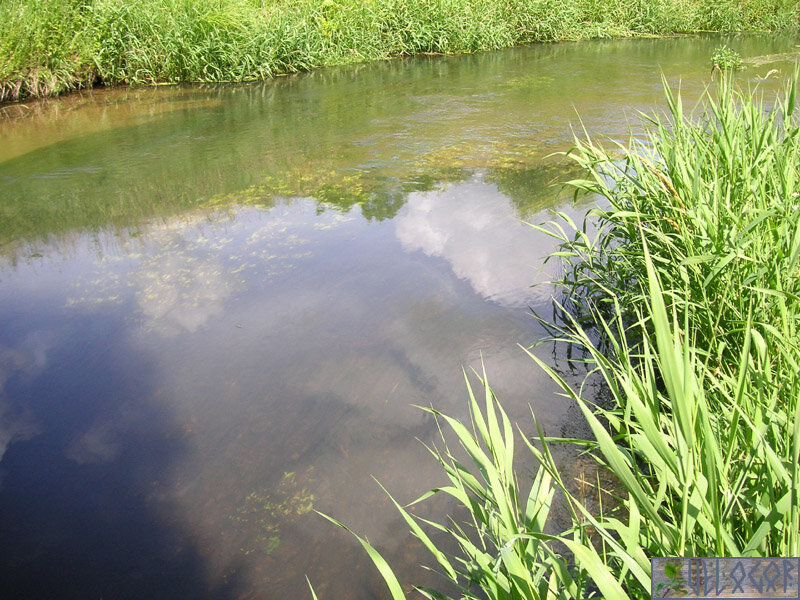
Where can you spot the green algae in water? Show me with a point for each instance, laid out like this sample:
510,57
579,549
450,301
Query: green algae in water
264,512
381,193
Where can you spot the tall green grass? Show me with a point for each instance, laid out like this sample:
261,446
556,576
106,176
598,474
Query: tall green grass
686,304
49,46
692,287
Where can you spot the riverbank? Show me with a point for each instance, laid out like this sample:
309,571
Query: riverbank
52,46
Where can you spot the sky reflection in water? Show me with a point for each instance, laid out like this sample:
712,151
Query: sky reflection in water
283,349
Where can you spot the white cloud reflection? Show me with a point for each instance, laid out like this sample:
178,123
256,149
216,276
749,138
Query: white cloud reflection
18,424
181,273
15,426
178,293
483,241
99,444
314,372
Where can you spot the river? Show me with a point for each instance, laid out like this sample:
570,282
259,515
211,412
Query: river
220,304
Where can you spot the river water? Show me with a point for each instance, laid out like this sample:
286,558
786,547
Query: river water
218,306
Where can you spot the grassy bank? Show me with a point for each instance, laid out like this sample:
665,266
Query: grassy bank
51,46
686,305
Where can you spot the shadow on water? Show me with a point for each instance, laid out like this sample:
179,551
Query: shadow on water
83,515
97,501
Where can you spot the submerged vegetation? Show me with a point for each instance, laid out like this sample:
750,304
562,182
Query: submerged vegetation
51,46
686,305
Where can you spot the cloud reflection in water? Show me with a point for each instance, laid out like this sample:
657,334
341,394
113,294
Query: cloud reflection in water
17,424
483,242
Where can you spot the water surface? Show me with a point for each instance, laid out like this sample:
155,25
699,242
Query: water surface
218,306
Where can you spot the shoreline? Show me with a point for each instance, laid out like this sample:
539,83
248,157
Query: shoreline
53,47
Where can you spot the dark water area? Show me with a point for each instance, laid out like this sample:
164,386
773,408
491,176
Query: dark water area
218,306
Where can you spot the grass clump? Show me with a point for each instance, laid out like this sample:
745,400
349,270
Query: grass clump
726,59
714,200
686,304
692,290
50,46
44,48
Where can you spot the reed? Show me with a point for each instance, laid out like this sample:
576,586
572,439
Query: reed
691,289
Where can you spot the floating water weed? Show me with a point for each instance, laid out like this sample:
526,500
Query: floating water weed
726,59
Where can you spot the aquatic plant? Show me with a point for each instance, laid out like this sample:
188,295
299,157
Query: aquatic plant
262,513
726,59
692,285
685,303
504,548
